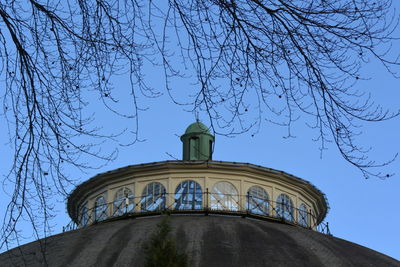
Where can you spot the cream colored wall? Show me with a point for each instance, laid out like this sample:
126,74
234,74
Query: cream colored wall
207,179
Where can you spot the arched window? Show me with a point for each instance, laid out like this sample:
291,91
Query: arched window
258,200
123,201
83,216
188,196
153,197
100,209
303,216
284,207
224,196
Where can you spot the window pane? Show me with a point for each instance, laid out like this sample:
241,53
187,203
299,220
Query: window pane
123,202
284,207
153,197
100,210
224,196
258,200
188,196
84,216
303,216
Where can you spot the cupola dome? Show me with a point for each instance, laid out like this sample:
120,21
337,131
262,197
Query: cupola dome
197,142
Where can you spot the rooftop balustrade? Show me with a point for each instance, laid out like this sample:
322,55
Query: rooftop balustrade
197,202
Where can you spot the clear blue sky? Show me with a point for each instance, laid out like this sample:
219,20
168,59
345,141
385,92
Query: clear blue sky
362,211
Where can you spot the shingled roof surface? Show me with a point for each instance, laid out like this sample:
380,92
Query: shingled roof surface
208,240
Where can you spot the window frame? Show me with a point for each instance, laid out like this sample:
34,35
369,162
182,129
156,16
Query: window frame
125,204
223,200
259,202
100,210
195,201
284,208
303,216
144,203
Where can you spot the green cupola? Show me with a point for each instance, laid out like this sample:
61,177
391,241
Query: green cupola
197,142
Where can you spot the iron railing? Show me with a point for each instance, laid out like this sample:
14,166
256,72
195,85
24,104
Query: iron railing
204,203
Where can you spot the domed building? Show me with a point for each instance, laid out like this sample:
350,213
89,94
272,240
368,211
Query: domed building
221,214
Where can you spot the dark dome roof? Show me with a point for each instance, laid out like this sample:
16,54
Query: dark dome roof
197,127
208,240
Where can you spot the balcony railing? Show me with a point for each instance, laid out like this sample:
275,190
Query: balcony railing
203,203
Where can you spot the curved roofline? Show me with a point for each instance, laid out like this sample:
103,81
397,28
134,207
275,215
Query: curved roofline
254,243
197,127
101,178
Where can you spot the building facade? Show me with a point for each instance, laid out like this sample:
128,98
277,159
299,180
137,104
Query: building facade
198,184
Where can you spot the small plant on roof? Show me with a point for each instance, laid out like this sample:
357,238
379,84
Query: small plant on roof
160,250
